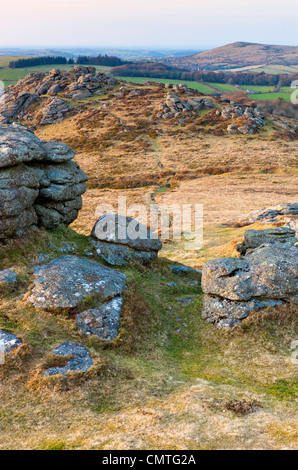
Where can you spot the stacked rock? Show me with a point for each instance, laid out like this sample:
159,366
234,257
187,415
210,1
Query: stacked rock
39,185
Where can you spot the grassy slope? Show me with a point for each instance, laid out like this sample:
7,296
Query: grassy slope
165,383
168,380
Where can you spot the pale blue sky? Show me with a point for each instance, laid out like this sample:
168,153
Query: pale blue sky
152,23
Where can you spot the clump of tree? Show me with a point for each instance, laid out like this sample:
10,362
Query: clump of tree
37,61
108,61
158,70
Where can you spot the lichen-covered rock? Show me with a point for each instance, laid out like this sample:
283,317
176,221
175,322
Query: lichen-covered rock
234,287
119,239
8,342
66,281
54,111
80,361
19,145
103,321
7,278
255,238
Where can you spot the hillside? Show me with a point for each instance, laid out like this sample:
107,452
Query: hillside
170,379
239,55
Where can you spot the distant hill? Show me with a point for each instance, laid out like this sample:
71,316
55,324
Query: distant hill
239,55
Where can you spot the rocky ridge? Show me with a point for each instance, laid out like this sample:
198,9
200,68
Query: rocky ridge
77,84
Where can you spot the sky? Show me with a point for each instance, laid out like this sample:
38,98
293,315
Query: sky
141,24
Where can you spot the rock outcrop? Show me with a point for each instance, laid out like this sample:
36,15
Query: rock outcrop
39,185
174,106
41,89
250,120
255,238
287,213
120,239
234,287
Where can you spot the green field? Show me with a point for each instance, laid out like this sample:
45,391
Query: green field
272,96
258,88
226,88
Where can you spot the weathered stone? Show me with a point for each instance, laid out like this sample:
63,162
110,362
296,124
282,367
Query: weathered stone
8,342
234,287
125,231
36,179
120,239
68,280
7,278
80,362
57,152
185,270
255,238
217,309
103,321
270,214
18,145
54,111
118,255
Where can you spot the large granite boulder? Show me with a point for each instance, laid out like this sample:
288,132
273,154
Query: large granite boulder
67,281
119,239
17,145
255,238
234,287
39,185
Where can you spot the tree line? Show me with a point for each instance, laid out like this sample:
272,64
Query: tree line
36,61
110,61
159,70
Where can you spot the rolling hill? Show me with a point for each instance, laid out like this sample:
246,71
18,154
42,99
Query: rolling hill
239,55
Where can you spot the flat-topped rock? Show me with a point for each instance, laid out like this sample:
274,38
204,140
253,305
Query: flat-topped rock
80,361
66,281
268,215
